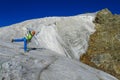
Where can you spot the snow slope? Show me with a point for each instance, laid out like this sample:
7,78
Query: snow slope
58,39
67,36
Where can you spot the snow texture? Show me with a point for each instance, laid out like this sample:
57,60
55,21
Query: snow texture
55,50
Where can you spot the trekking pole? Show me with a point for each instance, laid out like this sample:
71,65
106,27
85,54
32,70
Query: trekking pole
36,40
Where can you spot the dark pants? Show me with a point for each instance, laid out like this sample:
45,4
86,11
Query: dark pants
22,40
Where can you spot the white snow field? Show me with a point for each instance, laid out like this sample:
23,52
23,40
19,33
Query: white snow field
55,50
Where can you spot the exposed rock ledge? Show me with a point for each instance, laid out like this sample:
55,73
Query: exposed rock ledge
104,45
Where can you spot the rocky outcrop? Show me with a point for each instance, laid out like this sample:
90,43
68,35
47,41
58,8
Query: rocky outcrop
104,45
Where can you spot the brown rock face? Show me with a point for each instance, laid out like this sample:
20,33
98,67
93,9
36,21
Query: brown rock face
104,45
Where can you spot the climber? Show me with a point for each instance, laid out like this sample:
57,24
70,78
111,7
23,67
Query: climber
25,39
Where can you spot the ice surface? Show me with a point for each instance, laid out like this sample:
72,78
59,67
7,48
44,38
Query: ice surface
57,46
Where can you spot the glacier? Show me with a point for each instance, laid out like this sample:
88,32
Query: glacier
55,50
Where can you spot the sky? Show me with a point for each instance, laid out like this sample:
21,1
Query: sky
15,11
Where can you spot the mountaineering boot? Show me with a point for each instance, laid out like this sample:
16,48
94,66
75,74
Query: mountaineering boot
12,40
27,50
